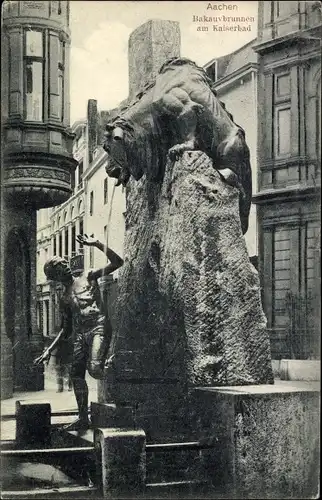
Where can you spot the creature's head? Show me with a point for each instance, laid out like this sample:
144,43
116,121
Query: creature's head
115,146
57,269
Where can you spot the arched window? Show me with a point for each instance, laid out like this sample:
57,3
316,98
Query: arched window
80,207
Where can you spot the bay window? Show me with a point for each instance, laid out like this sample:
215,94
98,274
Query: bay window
33,74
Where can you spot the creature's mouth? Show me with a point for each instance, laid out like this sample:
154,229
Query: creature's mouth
114,169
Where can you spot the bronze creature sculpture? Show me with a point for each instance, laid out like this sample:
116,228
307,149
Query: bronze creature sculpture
178,112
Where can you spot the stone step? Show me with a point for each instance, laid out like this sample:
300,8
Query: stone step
164,462
178,489
81,438
173,465
78,492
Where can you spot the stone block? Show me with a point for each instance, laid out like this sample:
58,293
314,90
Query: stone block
265,439
33,423
276,367
112,415
121,461
300,369
150,45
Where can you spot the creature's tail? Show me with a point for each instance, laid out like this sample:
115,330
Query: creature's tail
234,154
245,200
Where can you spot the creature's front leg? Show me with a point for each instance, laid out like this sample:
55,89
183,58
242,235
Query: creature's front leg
177,104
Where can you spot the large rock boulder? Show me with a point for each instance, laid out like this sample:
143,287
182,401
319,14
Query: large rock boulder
189,309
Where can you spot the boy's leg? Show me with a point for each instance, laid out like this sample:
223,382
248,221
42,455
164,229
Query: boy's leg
78,370
60,377
98,349
70,382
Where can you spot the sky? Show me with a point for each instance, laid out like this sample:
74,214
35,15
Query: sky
99,42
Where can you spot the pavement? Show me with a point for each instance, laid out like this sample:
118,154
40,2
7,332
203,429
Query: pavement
58,401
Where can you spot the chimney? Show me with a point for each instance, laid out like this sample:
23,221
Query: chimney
92,123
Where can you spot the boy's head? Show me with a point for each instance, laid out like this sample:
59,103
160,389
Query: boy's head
58,269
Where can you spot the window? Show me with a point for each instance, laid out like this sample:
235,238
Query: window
39,316
282,114
55,245
91,203
81,231
66,242
80,174
61,76
283,85
73,239
282,130
105,190
212,71
33,75
46,319
312,255
282,275
72,180
60,244
283,9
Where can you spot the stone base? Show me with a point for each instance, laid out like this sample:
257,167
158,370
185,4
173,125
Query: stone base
33,422
265,439
111,415
121,459
300,369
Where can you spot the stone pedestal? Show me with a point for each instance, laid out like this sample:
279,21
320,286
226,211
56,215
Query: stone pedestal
265,439
121,453
33,424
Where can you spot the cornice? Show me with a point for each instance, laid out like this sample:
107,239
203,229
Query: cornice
299,36
236,75
68,202
100,159
290,193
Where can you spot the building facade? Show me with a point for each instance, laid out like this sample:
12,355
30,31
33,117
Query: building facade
36,168
289,159
95,207
235,79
